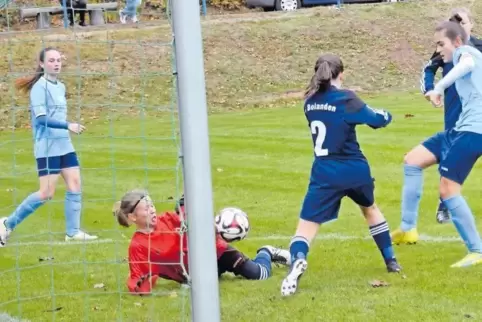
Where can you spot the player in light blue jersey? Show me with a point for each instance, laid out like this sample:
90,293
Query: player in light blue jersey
422,156
458,149
53,148
452,105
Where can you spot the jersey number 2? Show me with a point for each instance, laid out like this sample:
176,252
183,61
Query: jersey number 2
319,129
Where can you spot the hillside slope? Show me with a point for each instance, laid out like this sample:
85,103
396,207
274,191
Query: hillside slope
248,58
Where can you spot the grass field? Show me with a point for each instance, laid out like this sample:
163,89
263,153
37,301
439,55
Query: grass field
120,86
261,160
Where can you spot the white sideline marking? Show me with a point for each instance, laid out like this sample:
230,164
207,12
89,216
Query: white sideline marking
4,317
333,236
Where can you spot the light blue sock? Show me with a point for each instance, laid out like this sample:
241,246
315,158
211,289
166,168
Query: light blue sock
25,209
411,193
73,206
464,222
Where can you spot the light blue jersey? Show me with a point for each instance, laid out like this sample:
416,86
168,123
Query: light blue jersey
469,88
48,98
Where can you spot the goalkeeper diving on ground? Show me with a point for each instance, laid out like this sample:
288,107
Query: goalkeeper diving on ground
158,250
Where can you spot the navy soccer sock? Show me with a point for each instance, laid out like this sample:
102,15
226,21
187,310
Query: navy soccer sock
381,235
299,248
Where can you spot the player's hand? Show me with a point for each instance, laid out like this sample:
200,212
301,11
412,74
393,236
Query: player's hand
76,128
435,98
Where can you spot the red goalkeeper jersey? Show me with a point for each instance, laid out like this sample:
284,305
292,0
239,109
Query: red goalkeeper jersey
159,254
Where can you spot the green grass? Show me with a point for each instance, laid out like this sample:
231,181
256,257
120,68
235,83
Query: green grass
260,162
261,157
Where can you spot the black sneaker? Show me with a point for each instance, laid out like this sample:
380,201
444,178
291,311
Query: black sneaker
393,266
278,255
443,215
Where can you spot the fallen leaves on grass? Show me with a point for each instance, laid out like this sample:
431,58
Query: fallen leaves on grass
379,283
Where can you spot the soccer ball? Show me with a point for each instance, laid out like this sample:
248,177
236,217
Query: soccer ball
232,224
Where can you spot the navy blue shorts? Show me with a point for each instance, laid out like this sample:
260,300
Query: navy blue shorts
456,153
322,204
53,165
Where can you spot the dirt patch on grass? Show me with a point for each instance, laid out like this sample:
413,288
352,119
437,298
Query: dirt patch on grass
249,58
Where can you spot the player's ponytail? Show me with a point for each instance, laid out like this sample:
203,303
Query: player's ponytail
120,215
327,68
25,84
323,76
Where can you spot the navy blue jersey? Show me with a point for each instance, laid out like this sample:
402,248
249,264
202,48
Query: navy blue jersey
452,104
332,117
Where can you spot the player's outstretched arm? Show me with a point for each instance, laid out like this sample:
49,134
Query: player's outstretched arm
465,65
357,112
429,72
143,285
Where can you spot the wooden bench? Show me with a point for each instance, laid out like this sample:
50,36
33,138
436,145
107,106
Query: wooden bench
43,14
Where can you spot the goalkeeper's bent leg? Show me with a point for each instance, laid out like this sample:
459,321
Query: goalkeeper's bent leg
232,260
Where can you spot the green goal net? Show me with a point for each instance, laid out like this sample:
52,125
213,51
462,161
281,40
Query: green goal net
121,84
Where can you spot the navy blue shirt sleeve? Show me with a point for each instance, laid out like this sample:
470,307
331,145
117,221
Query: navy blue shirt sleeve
476,42
429,71
357,112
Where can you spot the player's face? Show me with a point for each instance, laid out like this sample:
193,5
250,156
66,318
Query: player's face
445,46
466,23
145,214
52,62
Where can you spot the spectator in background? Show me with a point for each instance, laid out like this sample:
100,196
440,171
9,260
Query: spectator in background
75,5
129,11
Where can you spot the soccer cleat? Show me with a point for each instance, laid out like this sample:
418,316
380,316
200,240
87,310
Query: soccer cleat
4,232
278,255
404,237
443,215
393,266
469,260
80,236
290,283
122,17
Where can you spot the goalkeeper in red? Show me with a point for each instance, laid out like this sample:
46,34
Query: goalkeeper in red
158,250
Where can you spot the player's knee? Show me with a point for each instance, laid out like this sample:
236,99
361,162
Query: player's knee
74,184
47,193
420,157
448,188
